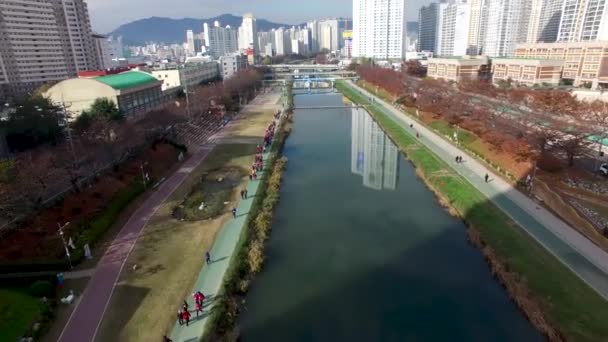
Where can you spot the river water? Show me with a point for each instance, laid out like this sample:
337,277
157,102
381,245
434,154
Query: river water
362,251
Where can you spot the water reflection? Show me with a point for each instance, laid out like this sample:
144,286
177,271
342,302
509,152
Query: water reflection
373,155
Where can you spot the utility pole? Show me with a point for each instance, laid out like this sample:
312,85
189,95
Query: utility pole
65,245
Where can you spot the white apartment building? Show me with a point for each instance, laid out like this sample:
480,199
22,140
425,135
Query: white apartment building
507,25
220,41
265,38
187,75
379,29
231,64
583,20
43,41
248,34
190,43
453,29
545,16
103,51
329,34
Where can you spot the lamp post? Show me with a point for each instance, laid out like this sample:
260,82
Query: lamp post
65,245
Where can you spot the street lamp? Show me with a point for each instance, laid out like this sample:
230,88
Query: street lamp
65,245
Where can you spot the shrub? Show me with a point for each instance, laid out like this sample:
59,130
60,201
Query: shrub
255,256
41,288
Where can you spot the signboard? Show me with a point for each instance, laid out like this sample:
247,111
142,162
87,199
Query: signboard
347,34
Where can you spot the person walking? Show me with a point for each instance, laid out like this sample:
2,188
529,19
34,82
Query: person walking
487,177
456,162
242,194
246,193
186,316
179,317
207,258
198,307
234,212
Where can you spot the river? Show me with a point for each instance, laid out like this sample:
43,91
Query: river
362,251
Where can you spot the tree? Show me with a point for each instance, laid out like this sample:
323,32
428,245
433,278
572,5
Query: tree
321,58
33,122
414,68
267,60
574,143
105,108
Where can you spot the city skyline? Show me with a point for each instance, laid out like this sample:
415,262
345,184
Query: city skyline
107,15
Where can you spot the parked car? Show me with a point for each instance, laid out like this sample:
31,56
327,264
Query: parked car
603,169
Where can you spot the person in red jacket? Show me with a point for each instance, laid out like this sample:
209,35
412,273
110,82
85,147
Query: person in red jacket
198,307
186,316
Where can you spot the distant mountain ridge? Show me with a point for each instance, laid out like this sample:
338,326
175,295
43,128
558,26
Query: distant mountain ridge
168,30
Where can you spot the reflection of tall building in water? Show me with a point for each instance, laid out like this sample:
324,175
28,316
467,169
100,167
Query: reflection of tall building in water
373,154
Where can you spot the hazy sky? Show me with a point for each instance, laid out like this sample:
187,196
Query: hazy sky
107,15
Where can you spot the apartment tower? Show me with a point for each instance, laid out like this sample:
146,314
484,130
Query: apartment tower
43,41
379,29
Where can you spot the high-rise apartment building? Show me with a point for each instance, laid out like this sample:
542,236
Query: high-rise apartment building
313,26
329,34
103,51
453,29
279,41
545,16
190,42
507,25
427,21
379,29
43,41
248,34
265,38
583,20
220,40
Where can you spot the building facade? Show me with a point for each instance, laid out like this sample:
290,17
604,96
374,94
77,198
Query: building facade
187,75
458,68
427,21
379,29
507,25
44,41
219,40
584,62
583,20
527,71
231,64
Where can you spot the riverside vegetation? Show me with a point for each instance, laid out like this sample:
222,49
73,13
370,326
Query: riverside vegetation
554,299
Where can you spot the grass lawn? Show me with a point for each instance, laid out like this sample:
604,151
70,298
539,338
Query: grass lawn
170,253
17,312
569,304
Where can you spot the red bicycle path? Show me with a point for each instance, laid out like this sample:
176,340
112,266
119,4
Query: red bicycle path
86,317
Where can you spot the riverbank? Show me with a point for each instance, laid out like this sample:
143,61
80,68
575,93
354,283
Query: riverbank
551,296
249,252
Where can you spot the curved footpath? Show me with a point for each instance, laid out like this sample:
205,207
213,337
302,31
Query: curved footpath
574,250
84,321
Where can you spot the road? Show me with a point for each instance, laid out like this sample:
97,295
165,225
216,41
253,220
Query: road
84,322
575,251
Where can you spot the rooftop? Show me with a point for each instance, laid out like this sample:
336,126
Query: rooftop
129,79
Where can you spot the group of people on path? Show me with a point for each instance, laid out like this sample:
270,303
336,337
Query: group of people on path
184,315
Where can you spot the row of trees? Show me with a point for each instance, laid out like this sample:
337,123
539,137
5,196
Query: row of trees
526,121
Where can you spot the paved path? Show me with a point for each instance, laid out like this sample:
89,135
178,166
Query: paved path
574,250
211,276
84,322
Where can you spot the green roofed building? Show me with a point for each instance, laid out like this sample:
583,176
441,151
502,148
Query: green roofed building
133,91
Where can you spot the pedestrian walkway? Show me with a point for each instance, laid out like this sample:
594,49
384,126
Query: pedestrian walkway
575,251
211,276
91,306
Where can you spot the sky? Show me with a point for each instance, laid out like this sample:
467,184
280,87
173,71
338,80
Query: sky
106,15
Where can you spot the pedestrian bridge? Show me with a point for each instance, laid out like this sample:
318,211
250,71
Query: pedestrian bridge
301,66
325,107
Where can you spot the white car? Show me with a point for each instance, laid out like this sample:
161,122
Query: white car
603,169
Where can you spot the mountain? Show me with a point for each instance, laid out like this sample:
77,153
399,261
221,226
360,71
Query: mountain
168,30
